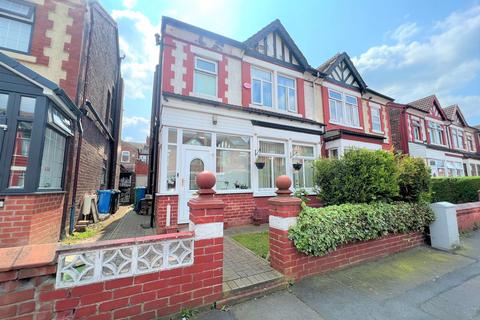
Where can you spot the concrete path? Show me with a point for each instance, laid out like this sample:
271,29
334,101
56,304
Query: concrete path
419,284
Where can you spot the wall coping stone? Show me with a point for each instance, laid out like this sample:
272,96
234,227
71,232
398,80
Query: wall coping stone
27,256
468,205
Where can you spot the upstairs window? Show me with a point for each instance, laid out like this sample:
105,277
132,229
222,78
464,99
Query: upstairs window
343,109
470,143
436,133
457,138
125,157
417,136
205,77
376,119
287,95
262,87
16,25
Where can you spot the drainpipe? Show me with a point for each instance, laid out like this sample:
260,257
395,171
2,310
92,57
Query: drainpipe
155,121
77,166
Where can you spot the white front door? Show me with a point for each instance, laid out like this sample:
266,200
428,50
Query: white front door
195,160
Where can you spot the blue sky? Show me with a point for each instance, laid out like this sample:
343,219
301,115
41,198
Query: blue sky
405,49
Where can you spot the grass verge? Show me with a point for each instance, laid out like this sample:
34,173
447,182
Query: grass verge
256,242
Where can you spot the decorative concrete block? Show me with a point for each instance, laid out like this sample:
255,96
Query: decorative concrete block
444,230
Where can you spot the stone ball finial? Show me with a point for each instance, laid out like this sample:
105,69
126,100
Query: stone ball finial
283,184
205,180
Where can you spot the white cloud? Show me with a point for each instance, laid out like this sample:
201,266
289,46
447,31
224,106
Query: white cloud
444,62
129,4
135,121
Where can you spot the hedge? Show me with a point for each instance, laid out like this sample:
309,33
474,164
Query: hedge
455,190
319,231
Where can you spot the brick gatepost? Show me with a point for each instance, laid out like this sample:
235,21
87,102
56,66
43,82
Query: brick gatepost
284,210
206,221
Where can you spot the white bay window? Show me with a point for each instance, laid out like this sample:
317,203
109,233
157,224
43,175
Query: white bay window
343,109
273,155
304,155
233,162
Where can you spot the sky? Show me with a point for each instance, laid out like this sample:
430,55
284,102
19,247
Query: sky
405,49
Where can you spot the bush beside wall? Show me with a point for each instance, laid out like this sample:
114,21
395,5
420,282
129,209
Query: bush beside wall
319,231
455,190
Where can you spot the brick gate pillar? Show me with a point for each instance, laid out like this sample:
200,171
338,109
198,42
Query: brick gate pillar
206,221
284,210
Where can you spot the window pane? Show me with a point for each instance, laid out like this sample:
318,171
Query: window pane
265,174
205,83
14,34
257,91
20,155
206,65
52,160
172,135
267,94
291,100
282,98
299,150
57,118
3,104
233,142
298,181
308,168
15,7
351,100
286,82
233,170
171,168
196,166
272,147
260,74
334,95
278,167
197,138
27,107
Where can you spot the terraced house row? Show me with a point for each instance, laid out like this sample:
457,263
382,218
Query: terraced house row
253,110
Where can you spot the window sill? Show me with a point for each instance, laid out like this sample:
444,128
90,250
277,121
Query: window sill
205,96
345,125
26,193
273,109
378,132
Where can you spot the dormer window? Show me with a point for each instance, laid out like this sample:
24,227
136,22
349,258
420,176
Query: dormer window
205,78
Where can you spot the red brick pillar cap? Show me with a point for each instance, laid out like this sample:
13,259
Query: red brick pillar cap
283,184
205,182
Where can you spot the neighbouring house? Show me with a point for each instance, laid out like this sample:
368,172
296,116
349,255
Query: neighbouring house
249,112
134,169
60,111
441,136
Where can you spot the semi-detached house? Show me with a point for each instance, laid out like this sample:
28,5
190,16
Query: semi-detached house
249,112
441,136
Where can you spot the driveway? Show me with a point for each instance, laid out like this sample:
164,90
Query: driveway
419,284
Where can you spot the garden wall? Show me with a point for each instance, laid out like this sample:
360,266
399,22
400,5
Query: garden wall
468,215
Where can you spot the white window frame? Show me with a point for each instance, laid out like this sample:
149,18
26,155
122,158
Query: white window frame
345,110
249,150
287,93
262,81
378,109
272,155
206,72
436,131
28,19
417,126
303,158
330,153
125,153
457,138
470,145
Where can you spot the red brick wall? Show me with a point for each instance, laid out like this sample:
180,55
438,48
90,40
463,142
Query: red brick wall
295,265
29,292
30,219
161,203
468,215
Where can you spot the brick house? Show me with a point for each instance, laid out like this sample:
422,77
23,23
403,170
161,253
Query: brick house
441,136
60,110
249,111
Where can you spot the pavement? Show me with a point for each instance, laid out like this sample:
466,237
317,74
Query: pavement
422,283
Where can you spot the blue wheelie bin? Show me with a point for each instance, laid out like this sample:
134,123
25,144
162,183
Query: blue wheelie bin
139,195
104,201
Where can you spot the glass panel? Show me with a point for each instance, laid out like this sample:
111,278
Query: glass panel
15,7
278,167
351,100
205,83
233,170
305,151
282,98
171,168
267,94
3,104
261,74
308,168
14,34
197,138
20,155
206,65
52,160
272,147
172,135
265,175
291,100
298,176
233,142
286,82
60,120
196,166
27,106
334,95
257,91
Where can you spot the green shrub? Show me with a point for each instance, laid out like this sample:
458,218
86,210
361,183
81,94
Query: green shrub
414,179
455,190
319,231
360,176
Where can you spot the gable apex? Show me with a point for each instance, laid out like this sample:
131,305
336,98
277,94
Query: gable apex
340,68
